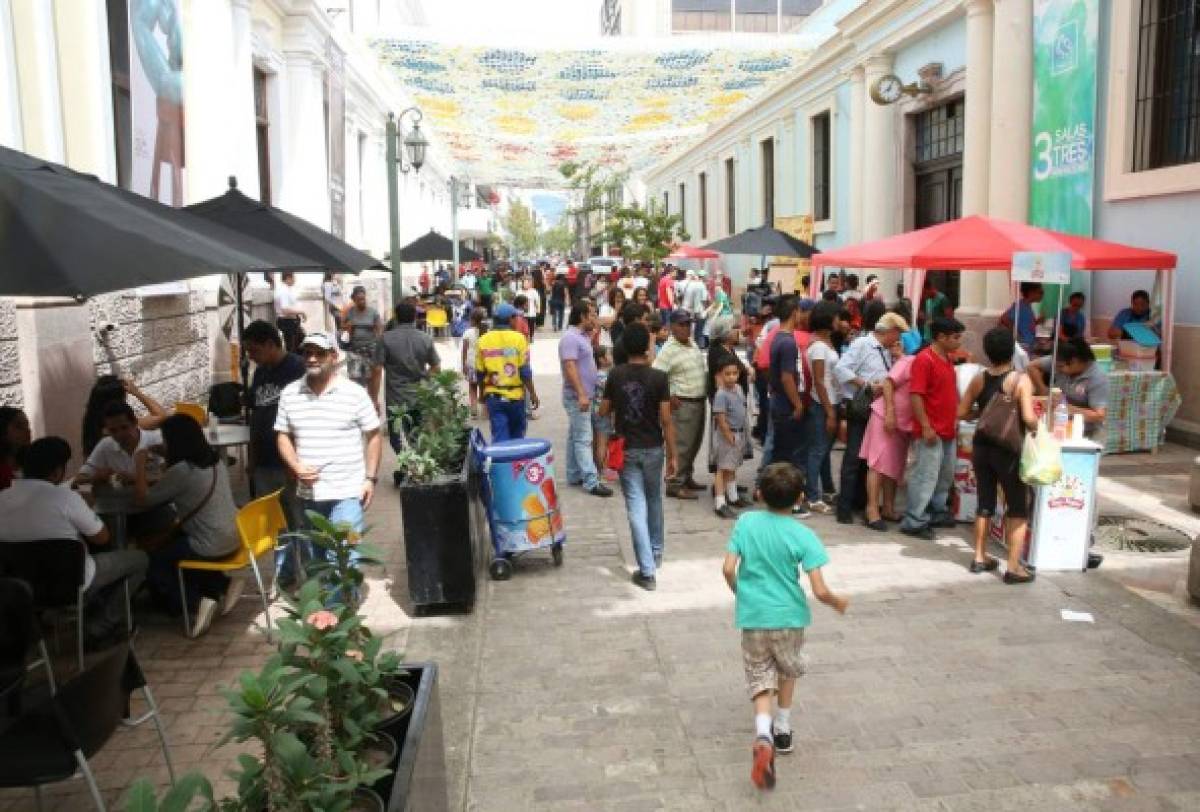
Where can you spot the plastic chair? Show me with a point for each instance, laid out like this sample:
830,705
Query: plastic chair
18,632
436,319
194,411
54,570
54,738
259,523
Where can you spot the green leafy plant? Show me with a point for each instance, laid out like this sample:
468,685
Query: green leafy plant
645,234
191,793
436,445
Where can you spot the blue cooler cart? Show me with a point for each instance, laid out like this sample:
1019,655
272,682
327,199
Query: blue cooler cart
521,500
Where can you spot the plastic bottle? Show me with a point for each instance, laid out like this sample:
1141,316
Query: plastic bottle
1060,421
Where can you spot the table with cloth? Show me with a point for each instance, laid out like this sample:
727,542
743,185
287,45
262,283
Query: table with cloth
1140,405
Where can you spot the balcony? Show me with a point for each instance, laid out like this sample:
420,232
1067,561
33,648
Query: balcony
475,223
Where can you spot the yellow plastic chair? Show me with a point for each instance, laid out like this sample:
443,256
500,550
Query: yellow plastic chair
194,411
259,525
436,319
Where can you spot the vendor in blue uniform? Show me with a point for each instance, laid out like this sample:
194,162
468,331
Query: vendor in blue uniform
1138,311
1022,314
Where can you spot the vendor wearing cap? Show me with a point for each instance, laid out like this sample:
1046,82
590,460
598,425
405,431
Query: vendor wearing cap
687,376
502,359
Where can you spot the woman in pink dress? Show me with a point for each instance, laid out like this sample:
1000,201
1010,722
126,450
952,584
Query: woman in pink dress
885,445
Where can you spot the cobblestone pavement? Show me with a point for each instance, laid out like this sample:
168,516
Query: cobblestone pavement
571,689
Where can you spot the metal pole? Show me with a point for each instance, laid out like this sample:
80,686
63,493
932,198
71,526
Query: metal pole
454,227
394,211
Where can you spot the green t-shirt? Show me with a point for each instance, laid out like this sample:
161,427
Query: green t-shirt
772,549
485,286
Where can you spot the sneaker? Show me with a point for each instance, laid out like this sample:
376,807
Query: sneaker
741,502
824,508
944,522
232,593
783,741
646,582
726,512
204,616
800,512
763,771
830,497
601,490
676,492
925,532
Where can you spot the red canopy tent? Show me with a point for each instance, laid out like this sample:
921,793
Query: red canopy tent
979,243
692,252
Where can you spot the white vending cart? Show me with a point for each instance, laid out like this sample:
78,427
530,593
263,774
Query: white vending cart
1065,513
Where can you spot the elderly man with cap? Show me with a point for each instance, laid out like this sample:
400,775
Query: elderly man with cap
321,423
687,376
502,361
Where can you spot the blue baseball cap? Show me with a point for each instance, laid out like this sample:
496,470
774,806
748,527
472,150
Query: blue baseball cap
504,313
806,305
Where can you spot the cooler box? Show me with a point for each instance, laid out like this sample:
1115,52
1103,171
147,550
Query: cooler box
522,499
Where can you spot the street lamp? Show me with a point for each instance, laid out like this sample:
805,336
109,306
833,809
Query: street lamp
415,145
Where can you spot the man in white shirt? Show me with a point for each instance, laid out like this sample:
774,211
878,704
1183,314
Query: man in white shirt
38,508
288,314
113,455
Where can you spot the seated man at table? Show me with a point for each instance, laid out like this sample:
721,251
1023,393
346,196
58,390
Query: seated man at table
37,508
1138,311
1083,383
113,455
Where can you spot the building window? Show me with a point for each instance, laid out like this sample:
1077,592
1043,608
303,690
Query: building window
822,151
610,18
704,205
940,132
118,60
683,205
262,131
730,196
768,181
1166,128
700,15
666,202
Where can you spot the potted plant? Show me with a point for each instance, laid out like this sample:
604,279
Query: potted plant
442,527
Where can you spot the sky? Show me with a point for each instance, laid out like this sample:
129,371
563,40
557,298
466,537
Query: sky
523,18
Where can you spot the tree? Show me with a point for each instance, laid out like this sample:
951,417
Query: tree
594,188
559,238
521,227
644,234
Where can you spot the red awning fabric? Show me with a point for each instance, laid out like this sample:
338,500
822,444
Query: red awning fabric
978,243
692,252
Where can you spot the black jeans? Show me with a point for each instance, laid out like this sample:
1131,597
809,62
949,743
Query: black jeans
791,444
761,394
852,490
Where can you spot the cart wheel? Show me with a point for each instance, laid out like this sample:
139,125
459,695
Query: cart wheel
557,554
500,569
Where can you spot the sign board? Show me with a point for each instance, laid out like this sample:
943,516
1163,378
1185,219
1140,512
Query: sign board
1046,267
789,271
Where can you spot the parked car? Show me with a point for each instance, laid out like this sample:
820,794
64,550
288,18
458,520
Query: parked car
604,265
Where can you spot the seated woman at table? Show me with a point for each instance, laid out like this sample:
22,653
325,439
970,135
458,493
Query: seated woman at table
15,438
195,481
1137,312
1072,321
1083,383
111,389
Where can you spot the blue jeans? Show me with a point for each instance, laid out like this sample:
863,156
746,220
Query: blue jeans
642,487
507,417
818,441
698,333
768,448
581,467
349,511
929,483
268,480
556,314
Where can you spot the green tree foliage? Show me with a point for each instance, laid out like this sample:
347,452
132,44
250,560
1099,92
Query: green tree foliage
559,238
521,227
594,187
644,234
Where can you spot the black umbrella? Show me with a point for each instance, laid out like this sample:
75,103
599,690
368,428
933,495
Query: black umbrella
434,246
287,231
764,241
64,233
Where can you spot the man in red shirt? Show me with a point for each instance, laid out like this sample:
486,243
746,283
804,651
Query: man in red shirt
666,293
934,393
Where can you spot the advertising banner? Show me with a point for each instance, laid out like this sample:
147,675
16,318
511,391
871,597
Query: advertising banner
1064,117
156,99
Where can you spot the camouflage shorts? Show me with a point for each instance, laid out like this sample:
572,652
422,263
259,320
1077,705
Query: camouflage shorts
768,654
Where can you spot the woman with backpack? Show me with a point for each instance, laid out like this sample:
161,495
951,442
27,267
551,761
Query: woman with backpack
1002,398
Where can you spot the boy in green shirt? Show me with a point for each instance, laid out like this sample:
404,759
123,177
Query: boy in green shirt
762,563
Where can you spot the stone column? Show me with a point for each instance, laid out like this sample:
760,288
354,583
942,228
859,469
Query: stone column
82,33
976,157
37,79
858,112
880,161
244,137
1011,120
304,187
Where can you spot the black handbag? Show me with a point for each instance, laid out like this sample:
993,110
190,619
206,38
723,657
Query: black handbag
860,405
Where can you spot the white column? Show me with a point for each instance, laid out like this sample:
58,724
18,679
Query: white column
1011,120
976,154
305,182
37,79
10,94
82,32
880,161
858,131
243,135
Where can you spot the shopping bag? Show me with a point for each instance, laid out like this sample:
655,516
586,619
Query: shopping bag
1041,459
616,453
1000,421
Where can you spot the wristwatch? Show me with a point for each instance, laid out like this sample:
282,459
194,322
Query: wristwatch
374,480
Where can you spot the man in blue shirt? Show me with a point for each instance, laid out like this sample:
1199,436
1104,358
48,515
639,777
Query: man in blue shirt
1138,311
1022,313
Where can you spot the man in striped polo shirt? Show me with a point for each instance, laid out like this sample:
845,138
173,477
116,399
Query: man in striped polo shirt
321,425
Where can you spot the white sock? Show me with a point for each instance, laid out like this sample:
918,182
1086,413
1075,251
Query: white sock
718,501
762,725
783,720
731,492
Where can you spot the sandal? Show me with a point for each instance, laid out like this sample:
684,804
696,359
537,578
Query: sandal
984,566
878,525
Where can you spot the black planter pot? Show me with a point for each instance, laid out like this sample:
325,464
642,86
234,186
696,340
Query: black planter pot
402,696
445,538
418,782
366,800
388,748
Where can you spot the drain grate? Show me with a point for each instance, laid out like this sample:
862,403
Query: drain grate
1135,535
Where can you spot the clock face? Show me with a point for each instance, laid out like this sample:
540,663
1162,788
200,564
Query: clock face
887,89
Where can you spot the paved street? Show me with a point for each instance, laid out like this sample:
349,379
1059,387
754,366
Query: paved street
571,689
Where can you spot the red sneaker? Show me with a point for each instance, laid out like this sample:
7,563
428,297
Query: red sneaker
763,771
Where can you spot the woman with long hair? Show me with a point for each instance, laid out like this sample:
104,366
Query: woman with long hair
610,322
109,388
196,483
641,296
15,437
